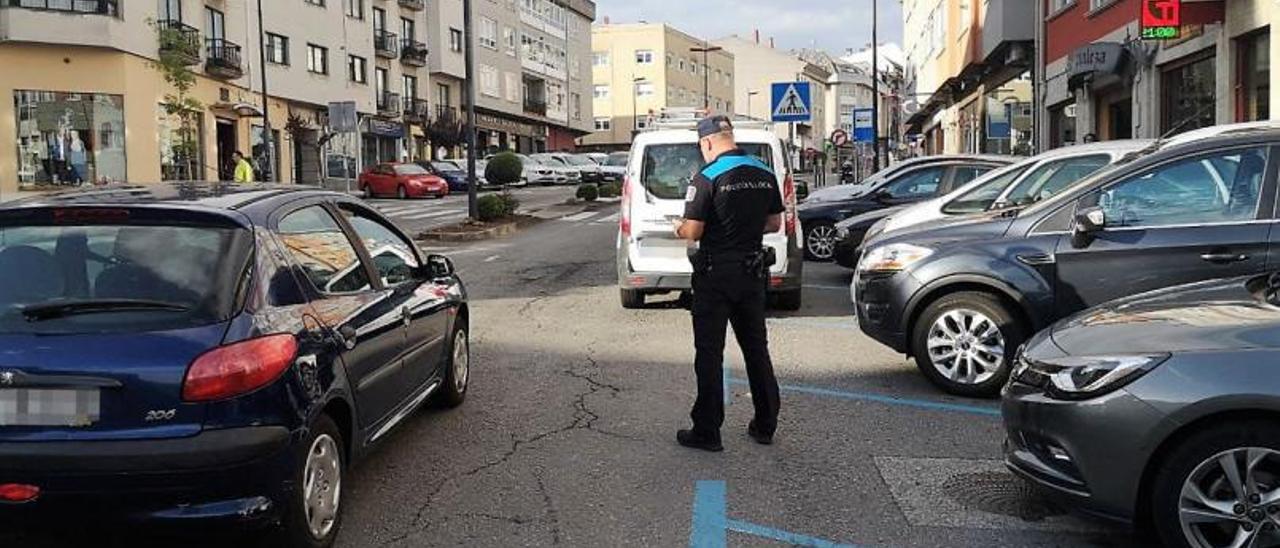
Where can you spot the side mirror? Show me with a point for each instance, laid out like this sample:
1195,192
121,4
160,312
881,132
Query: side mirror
1088,222
439,267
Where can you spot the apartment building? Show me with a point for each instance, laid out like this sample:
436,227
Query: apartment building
532,81
640,68
967,77
90,100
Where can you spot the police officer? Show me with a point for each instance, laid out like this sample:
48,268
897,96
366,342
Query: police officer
729,206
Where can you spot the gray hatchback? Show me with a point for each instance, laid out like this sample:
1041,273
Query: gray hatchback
1161,409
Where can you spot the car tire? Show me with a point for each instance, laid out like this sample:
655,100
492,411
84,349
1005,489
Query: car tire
1199,460
457,372
953,338
366,192
320,459
632,298
402,193
789,300
820,241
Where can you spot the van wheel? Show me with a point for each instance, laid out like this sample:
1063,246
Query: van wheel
314,515
964,343
788,300
457,373
632,298
1210,490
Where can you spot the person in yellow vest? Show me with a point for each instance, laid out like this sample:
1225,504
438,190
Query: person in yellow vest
244,170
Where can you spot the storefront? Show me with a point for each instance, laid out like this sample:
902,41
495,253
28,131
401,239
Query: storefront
498,132
1188,95
69,139
382,140
1253,76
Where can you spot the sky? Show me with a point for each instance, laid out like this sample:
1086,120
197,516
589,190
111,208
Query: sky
833,25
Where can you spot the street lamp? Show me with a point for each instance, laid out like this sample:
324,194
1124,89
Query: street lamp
706,74
875,80
750,94
469,58
635,110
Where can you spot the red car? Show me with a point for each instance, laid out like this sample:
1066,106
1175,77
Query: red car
402,181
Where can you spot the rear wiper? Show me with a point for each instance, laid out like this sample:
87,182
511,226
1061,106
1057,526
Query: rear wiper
59,309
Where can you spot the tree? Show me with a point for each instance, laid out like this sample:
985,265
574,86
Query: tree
175,54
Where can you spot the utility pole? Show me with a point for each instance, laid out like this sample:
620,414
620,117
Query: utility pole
266,116
472,208
706,73
875,81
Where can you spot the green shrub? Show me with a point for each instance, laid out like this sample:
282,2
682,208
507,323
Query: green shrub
588,192
509,203
491,207
504,169
610,190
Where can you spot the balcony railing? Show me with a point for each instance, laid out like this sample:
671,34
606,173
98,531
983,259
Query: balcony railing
535,106
388,104
413,52
180,38
446,113
415,110
385,44
222,58
100,7
413,4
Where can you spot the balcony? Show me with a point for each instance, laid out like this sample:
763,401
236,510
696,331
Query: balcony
222,59
388,104
179,39
416,110
416,5
413,53
385,44
99,7
446,113
535,106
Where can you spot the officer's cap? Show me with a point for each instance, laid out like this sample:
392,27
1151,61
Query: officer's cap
712,125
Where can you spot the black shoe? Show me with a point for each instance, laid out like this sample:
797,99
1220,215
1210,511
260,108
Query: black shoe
760,437
688,438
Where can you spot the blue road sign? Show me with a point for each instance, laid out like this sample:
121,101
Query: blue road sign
863,125
791,102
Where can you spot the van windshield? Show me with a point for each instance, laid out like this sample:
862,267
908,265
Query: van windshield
668,169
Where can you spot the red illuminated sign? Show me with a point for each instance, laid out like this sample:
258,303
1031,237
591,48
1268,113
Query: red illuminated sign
1161,19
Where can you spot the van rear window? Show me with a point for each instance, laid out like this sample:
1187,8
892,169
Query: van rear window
668,169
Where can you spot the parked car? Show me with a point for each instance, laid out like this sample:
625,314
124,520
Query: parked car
598,157
451,172
565,173
402,181
539,173
663,162
588,170
614,168
1159,409
1017,185
961,297
224,353
461,163
920,179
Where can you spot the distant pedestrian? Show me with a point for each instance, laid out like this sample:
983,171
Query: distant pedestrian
730,204
243,170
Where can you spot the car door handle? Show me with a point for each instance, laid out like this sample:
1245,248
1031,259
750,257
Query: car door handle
1224,258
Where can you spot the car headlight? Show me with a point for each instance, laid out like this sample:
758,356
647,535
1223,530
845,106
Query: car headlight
892,257
1081,377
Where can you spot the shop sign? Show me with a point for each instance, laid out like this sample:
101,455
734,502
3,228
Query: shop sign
383,128
1100,57
1161,19
497,123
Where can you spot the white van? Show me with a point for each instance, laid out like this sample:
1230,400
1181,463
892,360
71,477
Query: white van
651,260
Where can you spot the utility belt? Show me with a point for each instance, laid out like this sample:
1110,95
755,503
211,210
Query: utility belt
756,264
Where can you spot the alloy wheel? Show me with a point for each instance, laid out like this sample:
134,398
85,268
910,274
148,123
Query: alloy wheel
322,485
461,361
822,241
965,346
1233,499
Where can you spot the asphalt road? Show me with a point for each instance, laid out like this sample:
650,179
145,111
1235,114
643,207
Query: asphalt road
568,434
419,214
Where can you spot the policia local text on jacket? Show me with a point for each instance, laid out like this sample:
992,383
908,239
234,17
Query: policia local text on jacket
729,206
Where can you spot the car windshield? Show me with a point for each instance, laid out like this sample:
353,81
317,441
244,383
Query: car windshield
618,159
442,165
410,169
579,160
109,277
1051,177
548,160
985,193
669,168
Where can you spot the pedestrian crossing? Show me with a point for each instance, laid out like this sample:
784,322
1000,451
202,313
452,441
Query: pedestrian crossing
447,211
592,217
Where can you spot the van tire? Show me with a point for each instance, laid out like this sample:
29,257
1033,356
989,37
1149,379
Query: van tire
632,298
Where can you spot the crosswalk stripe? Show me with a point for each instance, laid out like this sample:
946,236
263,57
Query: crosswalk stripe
425,215
579,217
606,219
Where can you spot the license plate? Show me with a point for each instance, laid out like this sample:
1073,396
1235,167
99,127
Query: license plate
49,407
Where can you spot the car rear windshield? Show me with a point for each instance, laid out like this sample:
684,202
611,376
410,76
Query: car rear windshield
107,277
446,166
410,169
618,159
668,169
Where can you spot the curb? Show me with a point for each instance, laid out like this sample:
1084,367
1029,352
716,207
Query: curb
498,231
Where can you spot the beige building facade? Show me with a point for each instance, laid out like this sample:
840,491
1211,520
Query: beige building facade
640,68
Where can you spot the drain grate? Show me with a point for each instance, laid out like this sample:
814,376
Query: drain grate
1000,493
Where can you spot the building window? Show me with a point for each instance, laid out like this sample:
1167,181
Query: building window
408,30
410,86
488,33
315,2
513,87
599,58
357,69
509,40
489,84
1059,5
601,91
1187,95
277,49
455,40
317,59
69,138
603,124
355,8
644,89
170,10
644,56
575,103
1253,100
642,121
181,146
442,95
681,65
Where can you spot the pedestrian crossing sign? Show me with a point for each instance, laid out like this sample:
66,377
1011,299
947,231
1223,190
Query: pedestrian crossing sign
791,102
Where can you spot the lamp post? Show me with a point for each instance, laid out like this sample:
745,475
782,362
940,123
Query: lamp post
750,94
705,50
266,117
635,109
473,208
875,81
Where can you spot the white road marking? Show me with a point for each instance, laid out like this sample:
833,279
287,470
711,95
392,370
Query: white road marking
492,258
607,219
425,215
579,217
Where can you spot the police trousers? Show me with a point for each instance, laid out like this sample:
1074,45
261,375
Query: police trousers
725,294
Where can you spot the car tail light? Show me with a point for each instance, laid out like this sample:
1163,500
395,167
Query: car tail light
637,280
235,369
775,281
18,492
789,201
625,218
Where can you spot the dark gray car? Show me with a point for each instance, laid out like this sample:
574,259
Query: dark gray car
1161,409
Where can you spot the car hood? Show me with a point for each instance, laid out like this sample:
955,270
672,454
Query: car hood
870,217
1212,315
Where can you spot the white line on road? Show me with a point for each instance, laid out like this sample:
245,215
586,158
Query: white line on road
492,258
607,219
425,215
579,217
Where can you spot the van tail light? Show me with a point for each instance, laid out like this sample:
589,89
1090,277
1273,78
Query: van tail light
18,492
239,368
789,201
624,221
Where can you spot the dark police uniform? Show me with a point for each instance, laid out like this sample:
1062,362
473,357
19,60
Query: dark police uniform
734,195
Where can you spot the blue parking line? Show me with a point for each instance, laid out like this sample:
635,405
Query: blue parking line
794,539
709,523
865,396
728,395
